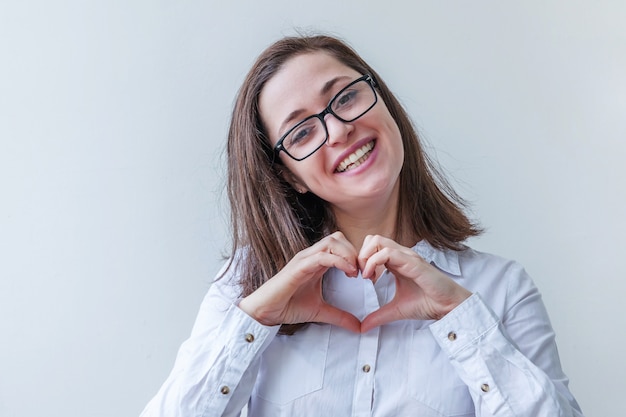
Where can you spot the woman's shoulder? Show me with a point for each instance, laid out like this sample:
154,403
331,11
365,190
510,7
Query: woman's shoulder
471,257
466,260
501,281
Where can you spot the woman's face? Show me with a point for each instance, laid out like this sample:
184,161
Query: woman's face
303,87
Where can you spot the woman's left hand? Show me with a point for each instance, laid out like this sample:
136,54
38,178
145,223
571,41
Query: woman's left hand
423,292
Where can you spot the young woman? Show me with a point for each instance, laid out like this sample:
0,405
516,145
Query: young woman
349,291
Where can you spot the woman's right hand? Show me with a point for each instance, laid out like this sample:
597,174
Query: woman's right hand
294,295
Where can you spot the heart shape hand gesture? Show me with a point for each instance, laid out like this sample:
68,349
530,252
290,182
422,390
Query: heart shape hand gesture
294,295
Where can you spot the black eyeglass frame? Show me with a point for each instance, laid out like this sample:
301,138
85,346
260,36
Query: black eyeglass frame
328,110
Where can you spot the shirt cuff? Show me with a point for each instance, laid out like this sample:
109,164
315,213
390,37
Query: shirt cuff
249,331
464,326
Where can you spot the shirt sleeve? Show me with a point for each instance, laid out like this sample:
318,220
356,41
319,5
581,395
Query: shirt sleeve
510,365
216,368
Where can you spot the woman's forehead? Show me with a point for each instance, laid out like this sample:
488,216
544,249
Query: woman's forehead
303,83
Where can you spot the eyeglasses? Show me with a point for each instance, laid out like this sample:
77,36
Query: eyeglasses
306,137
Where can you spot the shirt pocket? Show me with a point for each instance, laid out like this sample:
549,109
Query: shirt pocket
433,381
293,366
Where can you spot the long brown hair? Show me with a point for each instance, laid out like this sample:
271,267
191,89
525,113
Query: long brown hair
271,222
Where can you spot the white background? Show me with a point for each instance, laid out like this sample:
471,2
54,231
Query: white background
113,219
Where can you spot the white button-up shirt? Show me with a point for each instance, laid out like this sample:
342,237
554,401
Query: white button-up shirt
494,355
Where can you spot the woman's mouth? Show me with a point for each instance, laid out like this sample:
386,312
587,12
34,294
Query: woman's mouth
356,158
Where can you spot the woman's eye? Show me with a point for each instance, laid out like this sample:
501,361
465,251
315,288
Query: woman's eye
345,98
300,135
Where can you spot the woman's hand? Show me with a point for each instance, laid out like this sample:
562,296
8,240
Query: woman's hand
422,291
294,295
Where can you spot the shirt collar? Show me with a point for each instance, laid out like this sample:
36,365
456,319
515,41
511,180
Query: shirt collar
445,259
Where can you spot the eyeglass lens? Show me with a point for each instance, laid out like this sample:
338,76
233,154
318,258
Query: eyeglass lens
348,105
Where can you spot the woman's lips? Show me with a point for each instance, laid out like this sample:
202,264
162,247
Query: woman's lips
356,158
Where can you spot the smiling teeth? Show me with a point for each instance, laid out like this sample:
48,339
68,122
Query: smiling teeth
357,158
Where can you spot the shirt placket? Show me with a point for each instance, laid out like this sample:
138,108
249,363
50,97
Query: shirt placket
366,359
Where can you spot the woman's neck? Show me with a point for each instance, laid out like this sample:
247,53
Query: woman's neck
380,218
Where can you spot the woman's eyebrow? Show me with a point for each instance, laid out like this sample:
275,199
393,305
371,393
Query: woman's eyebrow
289,119
331,83
328,86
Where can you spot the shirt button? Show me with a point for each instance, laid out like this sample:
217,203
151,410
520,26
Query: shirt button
452,336
249,337
225,390
484,387
366,368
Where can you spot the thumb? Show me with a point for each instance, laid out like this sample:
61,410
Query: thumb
332,315
386,314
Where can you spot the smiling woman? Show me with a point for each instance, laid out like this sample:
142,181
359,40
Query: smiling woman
306,137
349,290
345,129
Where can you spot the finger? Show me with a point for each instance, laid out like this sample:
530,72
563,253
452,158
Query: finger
401,261
333,260
312,263
372,246
386,314
377,262
373,243
337,243
333,315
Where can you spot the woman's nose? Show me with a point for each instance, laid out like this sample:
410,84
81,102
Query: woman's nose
338,131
